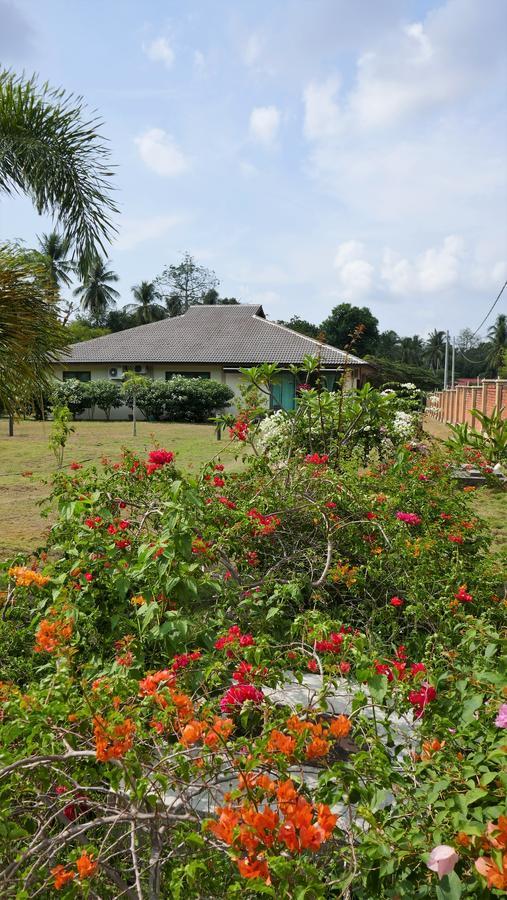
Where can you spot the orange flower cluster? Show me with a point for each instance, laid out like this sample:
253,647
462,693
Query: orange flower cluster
25,577
210,734
86,868
295,825
345,573
52,635
431,747
112,741
494,870
320,734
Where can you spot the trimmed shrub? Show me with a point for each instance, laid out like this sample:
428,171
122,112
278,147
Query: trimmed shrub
181,399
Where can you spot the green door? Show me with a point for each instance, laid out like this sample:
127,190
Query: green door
283,391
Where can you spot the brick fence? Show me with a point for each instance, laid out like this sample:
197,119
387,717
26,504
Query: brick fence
455,405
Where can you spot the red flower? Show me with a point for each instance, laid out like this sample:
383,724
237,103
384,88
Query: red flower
218,481
160,457
234,698
88,576
396,601
312,665
383,669
463,596
419,699
417,667
313,459
226,502
456,538
409,518
74,466
344,667
239,430
123,544
112,529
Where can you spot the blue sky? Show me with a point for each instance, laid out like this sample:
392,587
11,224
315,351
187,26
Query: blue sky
309,151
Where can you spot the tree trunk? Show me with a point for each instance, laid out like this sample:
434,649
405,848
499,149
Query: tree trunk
11,426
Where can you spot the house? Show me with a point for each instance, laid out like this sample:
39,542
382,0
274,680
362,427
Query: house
208,342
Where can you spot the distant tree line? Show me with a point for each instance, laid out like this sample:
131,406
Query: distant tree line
419,360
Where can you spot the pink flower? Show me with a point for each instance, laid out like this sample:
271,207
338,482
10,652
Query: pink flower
442,860
419,699
501,719
396,601
409,518
233,699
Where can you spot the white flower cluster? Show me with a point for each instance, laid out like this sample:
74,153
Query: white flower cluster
403,425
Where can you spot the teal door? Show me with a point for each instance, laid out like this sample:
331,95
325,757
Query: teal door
283,391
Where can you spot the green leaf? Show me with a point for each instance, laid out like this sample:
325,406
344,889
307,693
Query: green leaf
449,887
471,706
378,687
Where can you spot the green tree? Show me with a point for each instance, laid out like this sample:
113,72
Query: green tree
146,307
95,293
82,330
185,284
56,156
435,349
388,344
411,350
498,337
55,247
31,335
343,321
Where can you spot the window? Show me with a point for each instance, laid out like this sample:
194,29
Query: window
79,376
169,375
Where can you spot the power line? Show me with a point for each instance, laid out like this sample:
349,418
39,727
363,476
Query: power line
490,310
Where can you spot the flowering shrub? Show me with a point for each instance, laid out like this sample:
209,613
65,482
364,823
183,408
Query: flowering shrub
284,681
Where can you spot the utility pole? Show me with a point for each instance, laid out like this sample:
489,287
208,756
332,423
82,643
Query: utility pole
446,360
453,365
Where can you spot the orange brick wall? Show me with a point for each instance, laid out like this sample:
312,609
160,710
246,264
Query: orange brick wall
455,404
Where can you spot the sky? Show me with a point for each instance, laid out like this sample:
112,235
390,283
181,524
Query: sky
311,152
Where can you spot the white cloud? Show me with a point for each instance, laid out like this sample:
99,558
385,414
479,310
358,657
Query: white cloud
160,50
355,274
264,123
199,60
160,153
322,114
435,270
134,231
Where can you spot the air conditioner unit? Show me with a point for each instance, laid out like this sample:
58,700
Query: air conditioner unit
113,373
140,370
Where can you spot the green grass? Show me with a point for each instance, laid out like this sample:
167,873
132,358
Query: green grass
28,451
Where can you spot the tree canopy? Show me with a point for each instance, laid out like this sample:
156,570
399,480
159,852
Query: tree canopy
344,319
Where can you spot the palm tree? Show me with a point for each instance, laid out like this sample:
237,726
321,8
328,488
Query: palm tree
31,336
411,350
95,293
435,349
498,337
388,344
53,154
146,308
55,247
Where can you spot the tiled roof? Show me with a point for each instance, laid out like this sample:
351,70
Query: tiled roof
227,335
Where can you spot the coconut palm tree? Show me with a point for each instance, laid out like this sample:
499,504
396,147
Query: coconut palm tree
53,154
146,308
388,344
31,335
55,247
498,337
95,293
411,350
435,349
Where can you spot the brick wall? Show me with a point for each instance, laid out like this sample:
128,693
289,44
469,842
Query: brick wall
455,405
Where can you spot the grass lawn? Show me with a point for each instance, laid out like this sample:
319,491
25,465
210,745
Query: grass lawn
28,450
490,504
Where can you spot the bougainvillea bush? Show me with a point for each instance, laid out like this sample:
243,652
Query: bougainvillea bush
280,682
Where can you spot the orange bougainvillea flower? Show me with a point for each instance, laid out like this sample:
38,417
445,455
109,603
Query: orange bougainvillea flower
340,727
192,733
254,868
112,741
488,868
61,876
223,829
281,743
249,780
317,748
286,795
497,833
326,819
218,732
86,866
25,577
52,635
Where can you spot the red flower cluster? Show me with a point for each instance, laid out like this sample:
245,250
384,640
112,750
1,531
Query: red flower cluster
233,699
235,638
160,457
313,459
200,546
184,660
267,524
409,518
333,644
239,430
218,481
93,522
419,699
396,601
226,502
398,665
463,596
75,466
